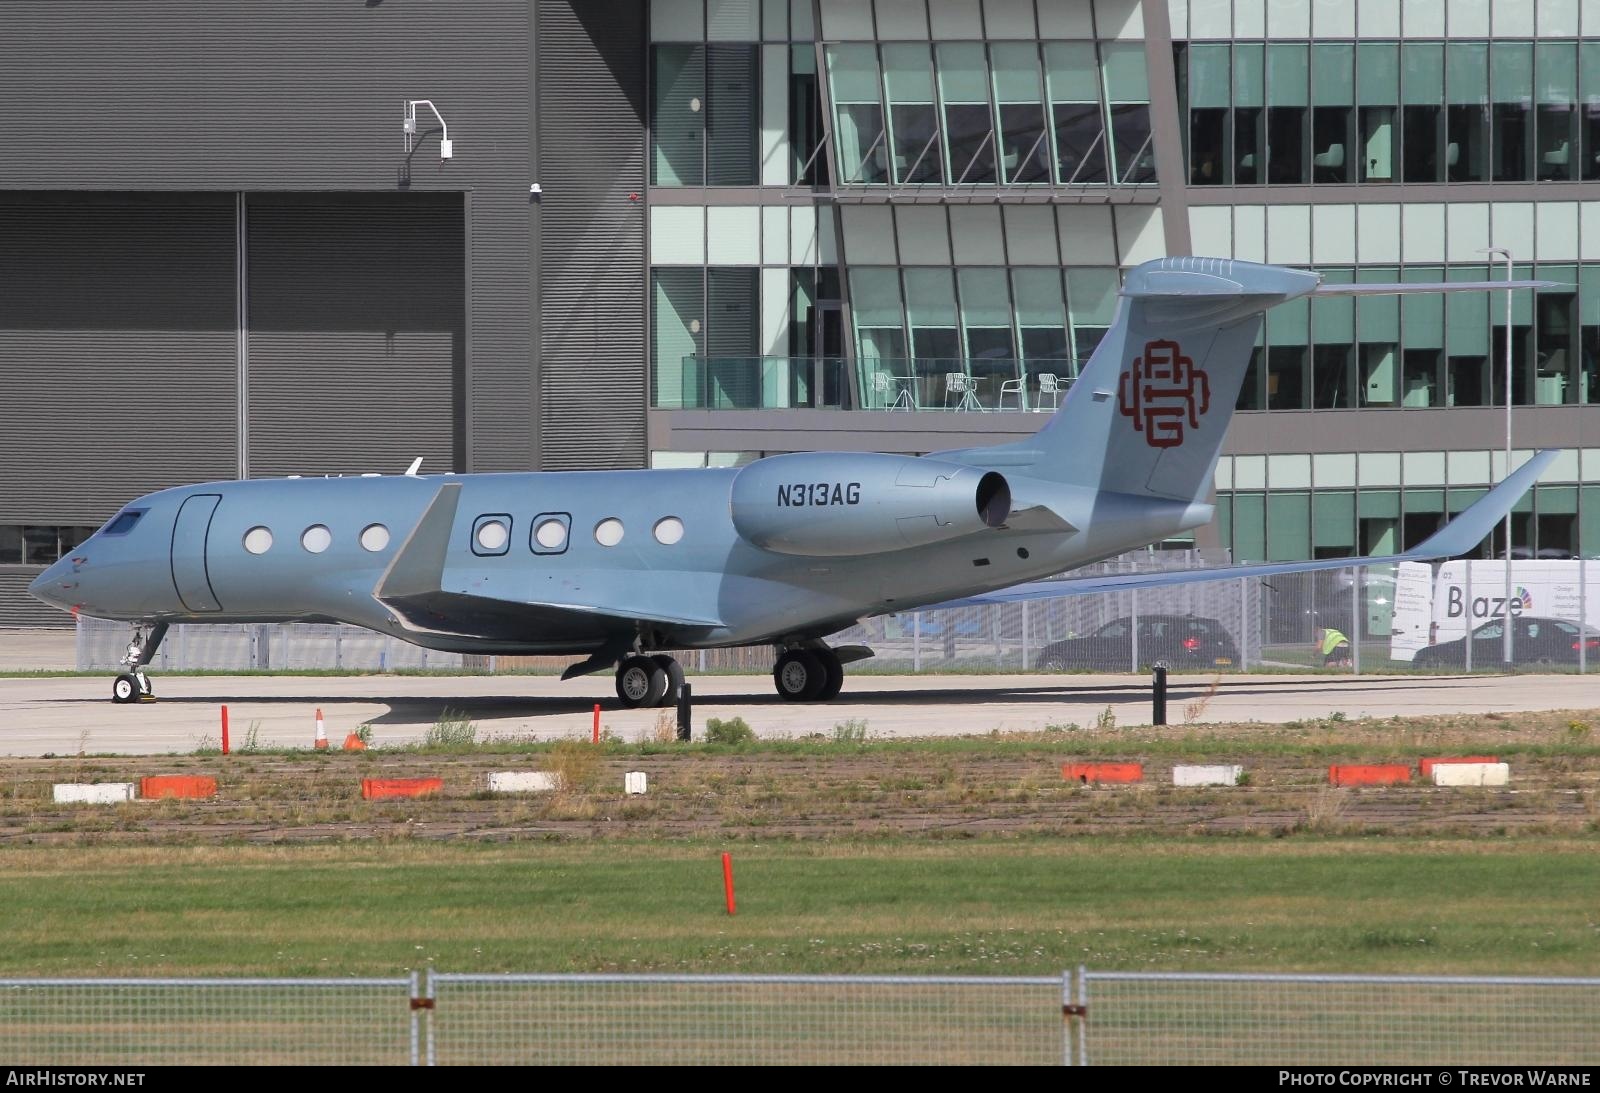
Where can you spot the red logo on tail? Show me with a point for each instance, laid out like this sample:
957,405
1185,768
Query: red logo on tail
1161,390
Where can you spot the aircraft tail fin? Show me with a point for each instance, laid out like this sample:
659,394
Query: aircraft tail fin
1148,413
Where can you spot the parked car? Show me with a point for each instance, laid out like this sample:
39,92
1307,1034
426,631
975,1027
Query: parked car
1535,640
1182,641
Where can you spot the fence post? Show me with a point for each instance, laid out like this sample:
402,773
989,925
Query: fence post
416,1018
432,1002
1068,1013
1133,633
1244,623
1583,615
1355,621
1159,698
1083,1022
916,641
1466,616
1024,636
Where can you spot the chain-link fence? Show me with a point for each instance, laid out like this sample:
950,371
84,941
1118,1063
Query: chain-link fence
1196,1019
216,1022
717,1020
1370,619
1086,1017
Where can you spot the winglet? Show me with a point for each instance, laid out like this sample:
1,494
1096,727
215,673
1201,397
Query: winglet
419,564
1479,518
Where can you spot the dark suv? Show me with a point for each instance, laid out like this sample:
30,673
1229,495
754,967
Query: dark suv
1182,641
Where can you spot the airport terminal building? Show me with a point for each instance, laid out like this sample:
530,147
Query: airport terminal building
690,232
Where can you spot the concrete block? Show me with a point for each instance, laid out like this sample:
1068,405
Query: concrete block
1102,772
1368,774
1206,776
1428,764
522,781
634,782
96,793
373,789
1471,774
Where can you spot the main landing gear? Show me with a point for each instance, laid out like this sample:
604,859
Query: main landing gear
651,680
808,675
133,685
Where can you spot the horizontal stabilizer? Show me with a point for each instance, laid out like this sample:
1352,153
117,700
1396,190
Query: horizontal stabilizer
1455,538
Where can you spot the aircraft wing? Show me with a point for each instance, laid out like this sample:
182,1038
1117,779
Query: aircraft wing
1455,538
412,588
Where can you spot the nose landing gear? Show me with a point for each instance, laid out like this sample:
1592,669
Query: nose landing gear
133,685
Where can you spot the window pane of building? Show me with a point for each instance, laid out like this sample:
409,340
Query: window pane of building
1422,112
1511,85
858,126
968,123
1333,346
1128,104
807,164
1249,527
1210,131
1589,69
731,375
1333,119
1467,340
1042,321
1019,98
731,122
677,120
1377,90
935,331
1288,353
1249,113
1588,375
1077,123
1555,109
1288,134
876,311
677,321
1556,379
1466,153
1422,381
986,316
1333,523
1288,526
913,115
1091,305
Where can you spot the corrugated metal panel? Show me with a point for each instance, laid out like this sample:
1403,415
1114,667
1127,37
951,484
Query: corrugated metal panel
591,67
357,332
17,608
117,350
299,95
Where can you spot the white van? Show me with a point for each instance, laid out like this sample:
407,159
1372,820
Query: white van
1429,609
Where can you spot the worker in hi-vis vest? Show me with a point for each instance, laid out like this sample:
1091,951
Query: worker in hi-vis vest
1335,647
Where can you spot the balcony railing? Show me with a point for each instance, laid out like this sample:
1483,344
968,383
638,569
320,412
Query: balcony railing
831,383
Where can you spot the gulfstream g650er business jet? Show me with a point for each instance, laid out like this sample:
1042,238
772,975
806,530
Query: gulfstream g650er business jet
621,565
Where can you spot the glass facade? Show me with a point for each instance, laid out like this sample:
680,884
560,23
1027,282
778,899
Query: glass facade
938,200
1332,112
990,114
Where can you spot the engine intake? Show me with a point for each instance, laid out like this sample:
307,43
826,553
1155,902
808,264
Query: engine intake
838,504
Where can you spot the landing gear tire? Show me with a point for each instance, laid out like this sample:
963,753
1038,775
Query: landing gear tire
833,671
674,672
125,688
640,682
799,676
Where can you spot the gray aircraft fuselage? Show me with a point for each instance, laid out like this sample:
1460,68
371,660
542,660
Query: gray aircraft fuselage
185,559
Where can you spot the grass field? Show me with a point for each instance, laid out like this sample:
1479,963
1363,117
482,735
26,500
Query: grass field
1027,906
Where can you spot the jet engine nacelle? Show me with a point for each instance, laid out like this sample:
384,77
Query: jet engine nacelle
837,504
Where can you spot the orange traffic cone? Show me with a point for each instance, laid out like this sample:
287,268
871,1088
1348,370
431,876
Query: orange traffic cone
322,733
354,743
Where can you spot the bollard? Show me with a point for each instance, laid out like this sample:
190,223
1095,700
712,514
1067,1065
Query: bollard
596,736
727,882
683,711
224,730
1159,714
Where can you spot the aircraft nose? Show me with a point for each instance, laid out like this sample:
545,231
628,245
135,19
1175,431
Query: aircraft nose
56,585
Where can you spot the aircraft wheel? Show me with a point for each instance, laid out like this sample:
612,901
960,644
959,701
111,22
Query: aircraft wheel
799,675
674,672
640,682
833,675
125,688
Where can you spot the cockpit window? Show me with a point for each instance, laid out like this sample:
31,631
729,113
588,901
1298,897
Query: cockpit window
122,522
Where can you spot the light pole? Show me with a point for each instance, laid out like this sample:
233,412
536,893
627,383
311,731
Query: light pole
1506,622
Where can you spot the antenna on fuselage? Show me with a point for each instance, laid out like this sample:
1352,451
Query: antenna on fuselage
416,465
